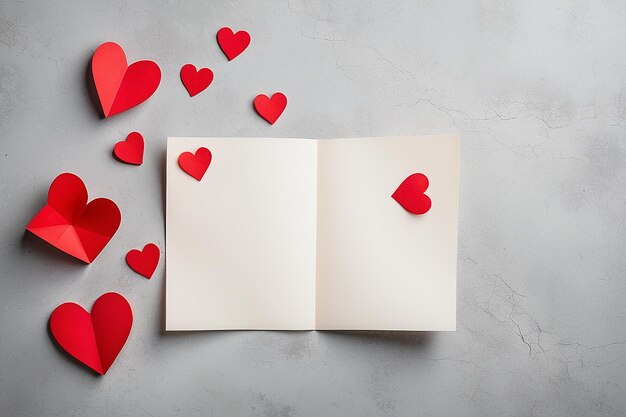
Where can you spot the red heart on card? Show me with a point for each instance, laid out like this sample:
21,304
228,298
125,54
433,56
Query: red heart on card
410,194
145,261
195,81
95,338
68,223
121,86
270,108
232,44
195,164
131,149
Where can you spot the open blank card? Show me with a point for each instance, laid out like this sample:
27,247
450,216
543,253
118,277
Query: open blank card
299,234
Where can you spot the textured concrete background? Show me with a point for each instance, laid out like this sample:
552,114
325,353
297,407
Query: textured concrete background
537,92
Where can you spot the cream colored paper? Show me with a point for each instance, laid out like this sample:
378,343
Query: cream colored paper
378,266
288,234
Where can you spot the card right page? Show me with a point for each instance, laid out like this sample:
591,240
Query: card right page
380,267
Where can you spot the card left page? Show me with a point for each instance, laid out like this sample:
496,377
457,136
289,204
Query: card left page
241,242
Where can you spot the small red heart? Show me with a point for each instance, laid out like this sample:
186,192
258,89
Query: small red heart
195,165
232,44
270,108
131,149
144,262
410,194
68,223
195,81
95,338
119,85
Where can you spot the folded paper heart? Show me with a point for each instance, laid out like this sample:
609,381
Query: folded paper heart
410,194
144,262
195,81
68,223
95,338
131,149
270,108
195,164
232,44
121,86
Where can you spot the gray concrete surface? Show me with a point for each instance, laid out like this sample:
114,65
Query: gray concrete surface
537,92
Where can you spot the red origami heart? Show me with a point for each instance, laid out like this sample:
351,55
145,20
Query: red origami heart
195,165
119,85
131,149
270,108
410,194
144,262
195,81
232,44
94,339
68,223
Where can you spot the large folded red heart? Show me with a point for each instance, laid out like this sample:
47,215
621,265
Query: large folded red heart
95,338
68,223
144,262
121,86
195,164
131,149
195,81
270,108
410,194
232,44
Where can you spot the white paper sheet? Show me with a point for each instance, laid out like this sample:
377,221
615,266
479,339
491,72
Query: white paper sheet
240,244
288,234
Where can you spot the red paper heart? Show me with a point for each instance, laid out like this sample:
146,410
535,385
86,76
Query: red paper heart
68,223
94,339
232,44
131,149
119,85
410,194
195,165
144,262
195,81
270,108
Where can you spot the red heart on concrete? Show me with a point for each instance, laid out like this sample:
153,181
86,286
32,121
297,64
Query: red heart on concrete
119,85
270,108
130,150
95,338
68,223
410,194
195,81
195,164
144,262
232,44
